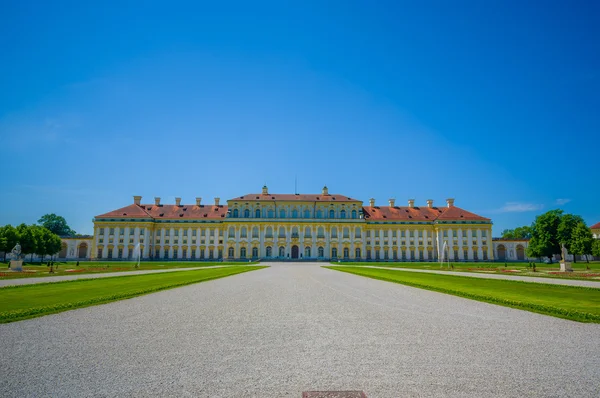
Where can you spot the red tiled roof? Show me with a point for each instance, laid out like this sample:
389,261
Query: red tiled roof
296,197
595,226
167,212
419,214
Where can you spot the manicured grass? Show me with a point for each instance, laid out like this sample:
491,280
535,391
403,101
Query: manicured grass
580,269
28,301
569,302
92,267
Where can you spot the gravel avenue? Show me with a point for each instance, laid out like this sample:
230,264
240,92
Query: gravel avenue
290,328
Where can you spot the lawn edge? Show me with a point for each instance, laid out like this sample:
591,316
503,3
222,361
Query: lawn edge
19,315
577,316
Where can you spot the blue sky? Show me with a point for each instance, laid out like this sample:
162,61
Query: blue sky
492,103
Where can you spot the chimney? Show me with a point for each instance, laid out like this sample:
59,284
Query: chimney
177,202
198,200
450,202
217,201
411,203
137,200
157,201
325,190
372,202
430,203
392,202
265,190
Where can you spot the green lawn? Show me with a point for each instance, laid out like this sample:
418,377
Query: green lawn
92,267
28,301
580,269
570,302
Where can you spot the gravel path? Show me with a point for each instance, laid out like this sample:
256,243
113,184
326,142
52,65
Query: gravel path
290,328
46,279
551,281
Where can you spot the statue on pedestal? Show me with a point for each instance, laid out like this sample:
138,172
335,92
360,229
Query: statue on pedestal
565,266
16,264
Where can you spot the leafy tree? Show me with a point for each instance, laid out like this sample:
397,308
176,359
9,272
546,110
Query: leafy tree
27,239
581,241
8,238
596,248
54,244
56,224
568,223
517,233
544,235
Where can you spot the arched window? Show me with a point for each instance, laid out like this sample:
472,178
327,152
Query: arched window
307,252
334,252
306,213
307,233
343,214
247,213
282,232
334,232
295,232
257,213
254,252
321,252
230,252
269,232
269,251
319,214
294,213
281,213
244,233
231,232
270,213
281,251
243,252
255,232
353,213
320,233
236,213
331,213
346,252
357,233
346,232
357,252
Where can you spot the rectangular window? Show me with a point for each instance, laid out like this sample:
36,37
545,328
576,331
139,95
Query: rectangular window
158,232
131,231
368,234
99,253
185,241
193,241
212,232
393,233
377,233
142,240
112,231
221,233
402,234
176,232
193,254
120,255
176,241
184,254
158,241
142,231
157,253
203,232
101,231
122,233
420,233
445,233
193,232
484,234
100,240
455,234
201,253
110,253
110,240
185,231
167,241
167,232
485,257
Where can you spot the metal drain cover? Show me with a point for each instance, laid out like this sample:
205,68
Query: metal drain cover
333,394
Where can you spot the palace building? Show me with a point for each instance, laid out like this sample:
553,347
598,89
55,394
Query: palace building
292,227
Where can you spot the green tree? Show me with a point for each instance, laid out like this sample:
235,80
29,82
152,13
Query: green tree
54,244
596,248
523,232
566,227
8,238
56,224
581,241
27,239
544,235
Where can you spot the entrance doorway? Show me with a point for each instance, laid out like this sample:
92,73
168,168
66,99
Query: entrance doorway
294,251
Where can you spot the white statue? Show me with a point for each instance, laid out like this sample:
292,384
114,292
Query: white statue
16,252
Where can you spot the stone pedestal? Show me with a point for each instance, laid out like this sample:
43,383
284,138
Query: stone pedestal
565,266
16,265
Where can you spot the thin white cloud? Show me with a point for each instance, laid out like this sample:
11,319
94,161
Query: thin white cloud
518,207
561,202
